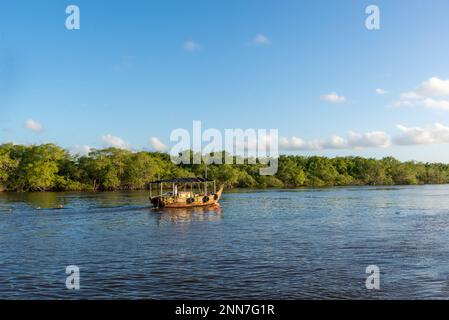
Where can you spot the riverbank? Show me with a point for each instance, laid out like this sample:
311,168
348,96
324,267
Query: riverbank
228,190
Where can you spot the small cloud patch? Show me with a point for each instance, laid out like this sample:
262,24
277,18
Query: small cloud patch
34,126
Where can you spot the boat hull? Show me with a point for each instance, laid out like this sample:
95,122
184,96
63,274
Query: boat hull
192,205
199,200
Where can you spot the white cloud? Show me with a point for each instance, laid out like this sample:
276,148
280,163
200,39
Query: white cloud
381,91
261,39
409,100
410,95
375,139
295,143
35,126
404,103
333,98
158,145
434,87
424,95
434,134
191,46
116,142
336,142
436,104
408,136
81,150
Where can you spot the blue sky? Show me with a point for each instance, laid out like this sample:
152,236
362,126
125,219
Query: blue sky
139,69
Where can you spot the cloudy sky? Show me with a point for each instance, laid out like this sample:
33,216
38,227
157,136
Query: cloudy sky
136,70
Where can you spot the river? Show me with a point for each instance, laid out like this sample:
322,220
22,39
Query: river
261,244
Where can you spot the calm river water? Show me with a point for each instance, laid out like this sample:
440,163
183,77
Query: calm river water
281,244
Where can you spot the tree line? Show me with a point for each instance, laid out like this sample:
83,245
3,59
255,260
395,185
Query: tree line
49,167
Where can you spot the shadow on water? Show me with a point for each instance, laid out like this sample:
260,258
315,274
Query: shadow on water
73,200
38,200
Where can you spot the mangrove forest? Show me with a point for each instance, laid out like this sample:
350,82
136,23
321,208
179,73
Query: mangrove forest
49,167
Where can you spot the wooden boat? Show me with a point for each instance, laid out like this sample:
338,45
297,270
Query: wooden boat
185,193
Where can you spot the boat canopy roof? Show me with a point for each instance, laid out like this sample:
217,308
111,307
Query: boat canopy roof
182,180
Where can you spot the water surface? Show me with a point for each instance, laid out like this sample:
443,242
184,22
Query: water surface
280,244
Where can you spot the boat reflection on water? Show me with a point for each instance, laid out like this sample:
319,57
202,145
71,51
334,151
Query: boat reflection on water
188,215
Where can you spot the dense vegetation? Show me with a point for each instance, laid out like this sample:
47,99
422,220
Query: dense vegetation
49,167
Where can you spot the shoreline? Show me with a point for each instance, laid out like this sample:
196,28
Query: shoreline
232,190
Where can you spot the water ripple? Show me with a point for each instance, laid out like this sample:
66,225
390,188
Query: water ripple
279,244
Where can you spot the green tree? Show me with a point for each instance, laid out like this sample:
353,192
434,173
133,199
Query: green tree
37,167
291,171
140,169
7,165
